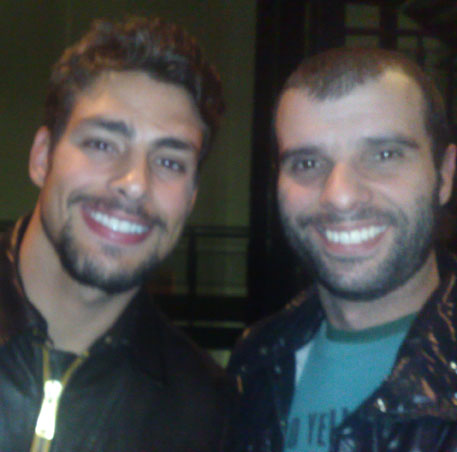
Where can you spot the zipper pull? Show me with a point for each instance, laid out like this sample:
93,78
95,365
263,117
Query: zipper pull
46,423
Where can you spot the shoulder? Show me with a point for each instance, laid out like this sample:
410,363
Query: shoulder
182,352
10,238
204,389
186,369
6,246
189,388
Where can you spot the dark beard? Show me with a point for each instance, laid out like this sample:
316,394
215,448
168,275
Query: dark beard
86,271
85,268
412,245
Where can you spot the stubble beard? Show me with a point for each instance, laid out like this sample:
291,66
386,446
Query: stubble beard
89,269
411,245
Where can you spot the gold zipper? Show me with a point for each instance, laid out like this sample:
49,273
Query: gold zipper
52,392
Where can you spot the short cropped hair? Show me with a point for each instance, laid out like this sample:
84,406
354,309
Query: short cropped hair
334,73
162,50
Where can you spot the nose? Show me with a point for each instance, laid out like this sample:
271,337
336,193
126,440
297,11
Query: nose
345,190
131,179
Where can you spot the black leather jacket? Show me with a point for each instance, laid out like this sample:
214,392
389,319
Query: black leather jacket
414,410
143,387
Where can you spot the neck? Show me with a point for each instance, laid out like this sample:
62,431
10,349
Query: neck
407,299
76,314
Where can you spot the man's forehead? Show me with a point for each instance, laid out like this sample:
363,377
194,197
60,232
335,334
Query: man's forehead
124,83
392,90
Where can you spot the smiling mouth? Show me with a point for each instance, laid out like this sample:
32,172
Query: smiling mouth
354,236
118,225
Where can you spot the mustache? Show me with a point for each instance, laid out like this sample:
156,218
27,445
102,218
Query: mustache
131,208
335,218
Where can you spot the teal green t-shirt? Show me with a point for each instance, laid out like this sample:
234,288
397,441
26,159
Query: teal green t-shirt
342,369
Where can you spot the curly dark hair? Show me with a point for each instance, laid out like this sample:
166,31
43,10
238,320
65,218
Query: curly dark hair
163,50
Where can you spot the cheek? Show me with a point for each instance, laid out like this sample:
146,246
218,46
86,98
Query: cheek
73,170
413,186
295,198
174,199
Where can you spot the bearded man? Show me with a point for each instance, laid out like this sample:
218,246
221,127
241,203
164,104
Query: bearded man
366,360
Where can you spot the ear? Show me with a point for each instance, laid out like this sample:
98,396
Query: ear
447,171
39,160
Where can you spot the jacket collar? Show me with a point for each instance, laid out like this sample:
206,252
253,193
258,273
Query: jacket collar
16,313
279,335
423,381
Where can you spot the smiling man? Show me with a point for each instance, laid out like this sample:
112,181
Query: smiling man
87,363
366,359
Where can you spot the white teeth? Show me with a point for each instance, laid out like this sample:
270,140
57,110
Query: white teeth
354,237
117,225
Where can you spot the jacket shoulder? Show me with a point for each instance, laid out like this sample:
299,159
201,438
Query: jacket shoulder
183,365
205,390
285,330
183,352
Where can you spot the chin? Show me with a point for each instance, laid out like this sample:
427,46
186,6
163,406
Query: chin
111,274
90,274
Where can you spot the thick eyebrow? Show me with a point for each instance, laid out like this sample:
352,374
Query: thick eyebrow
111,125
301,151
122,128
399,140
173,143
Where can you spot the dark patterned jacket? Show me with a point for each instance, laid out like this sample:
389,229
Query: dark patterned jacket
142,387
414,409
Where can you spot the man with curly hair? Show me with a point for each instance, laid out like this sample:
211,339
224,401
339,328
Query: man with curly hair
87,363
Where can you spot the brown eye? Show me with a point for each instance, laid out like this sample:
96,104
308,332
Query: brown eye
388,154
171,164
99,145
306,164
